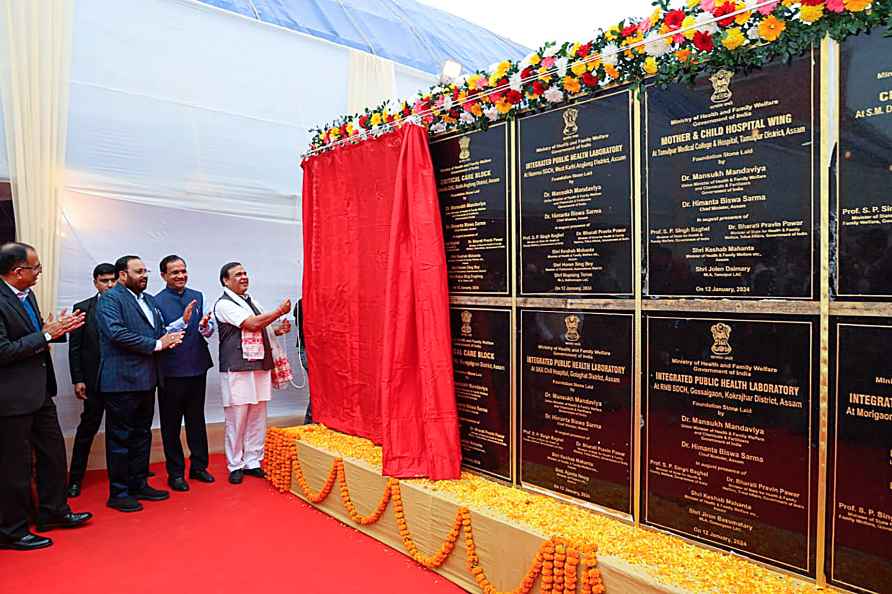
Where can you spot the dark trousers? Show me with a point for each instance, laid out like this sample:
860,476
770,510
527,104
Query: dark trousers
128,440
21,435
183,398
91,418
308,416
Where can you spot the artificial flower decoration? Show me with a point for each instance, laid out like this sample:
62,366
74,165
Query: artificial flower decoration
733,39
771,28
671,45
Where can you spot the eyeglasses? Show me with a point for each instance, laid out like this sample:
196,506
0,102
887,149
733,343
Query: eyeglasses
37,268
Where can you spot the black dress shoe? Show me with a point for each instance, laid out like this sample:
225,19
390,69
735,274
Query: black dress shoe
125,504
29,542
74,489
236,476
69,520
255,472
147,493
202,476
178,483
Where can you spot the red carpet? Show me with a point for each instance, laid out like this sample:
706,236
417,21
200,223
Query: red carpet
217,538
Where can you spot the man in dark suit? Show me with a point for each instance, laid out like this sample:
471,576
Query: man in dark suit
28,421
131,336
83,361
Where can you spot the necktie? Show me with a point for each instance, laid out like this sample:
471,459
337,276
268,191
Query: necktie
32,315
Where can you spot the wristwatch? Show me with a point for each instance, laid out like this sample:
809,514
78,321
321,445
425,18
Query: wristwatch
48,336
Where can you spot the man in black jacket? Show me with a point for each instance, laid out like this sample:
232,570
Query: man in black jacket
28,420
83,361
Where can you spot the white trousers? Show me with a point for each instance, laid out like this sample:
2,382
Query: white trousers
245,433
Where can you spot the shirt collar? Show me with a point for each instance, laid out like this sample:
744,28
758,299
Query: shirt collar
234,295
22,295
139,297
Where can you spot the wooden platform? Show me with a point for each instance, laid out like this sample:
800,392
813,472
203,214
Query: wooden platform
506,550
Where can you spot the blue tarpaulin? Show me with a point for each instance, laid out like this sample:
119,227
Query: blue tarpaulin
404,31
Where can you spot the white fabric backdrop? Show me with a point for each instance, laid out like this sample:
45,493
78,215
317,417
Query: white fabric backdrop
370,81
4,162
186,126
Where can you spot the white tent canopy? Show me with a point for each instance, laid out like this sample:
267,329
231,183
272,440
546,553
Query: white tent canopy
185,127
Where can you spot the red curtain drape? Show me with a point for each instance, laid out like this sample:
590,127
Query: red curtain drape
376,302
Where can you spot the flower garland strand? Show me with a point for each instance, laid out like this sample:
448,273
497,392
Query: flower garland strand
280,450
543,74
556,562
351,507
668,46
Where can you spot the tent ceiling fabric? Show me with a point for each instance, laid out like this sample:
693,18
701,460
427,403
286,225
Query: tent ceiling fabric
404,31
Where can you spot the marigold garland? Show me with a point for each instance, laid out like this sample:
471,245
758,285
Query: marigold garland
670,45
280,452
665,558
351,507
282,463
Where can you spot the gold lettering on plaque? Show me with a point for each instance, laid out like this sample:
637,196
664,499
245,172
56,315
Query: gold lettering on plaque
720,334
570,117
572,322
466,323
721,85
464,144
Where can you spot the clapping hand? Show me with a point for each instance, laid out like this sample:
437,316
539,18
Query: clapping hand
203,324
171,340
187,313
64,324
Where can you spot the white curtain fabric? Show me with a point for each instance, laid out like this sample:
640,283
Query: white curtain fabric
4,161
371,81
185,133
35,38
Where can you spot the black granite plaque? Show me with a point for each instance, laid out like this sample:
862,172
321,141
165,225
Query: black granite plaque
481,355
864,202
576,375
730,182
730,452
860,490
473,183
575,199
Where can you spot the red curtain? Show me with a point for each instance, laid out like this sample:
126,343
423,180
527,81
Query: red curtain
376,302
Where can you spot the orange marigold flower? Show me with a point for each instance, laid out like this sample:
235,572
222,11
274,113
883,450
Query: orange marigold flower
571,84
857,5
771,28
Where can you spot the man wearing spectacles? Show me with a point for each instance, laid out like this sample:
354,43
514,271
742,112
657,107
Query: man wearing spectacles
28,419
132,334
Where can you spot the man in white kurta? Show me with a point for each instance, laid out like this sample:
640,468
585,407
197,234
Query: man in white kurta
245,370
